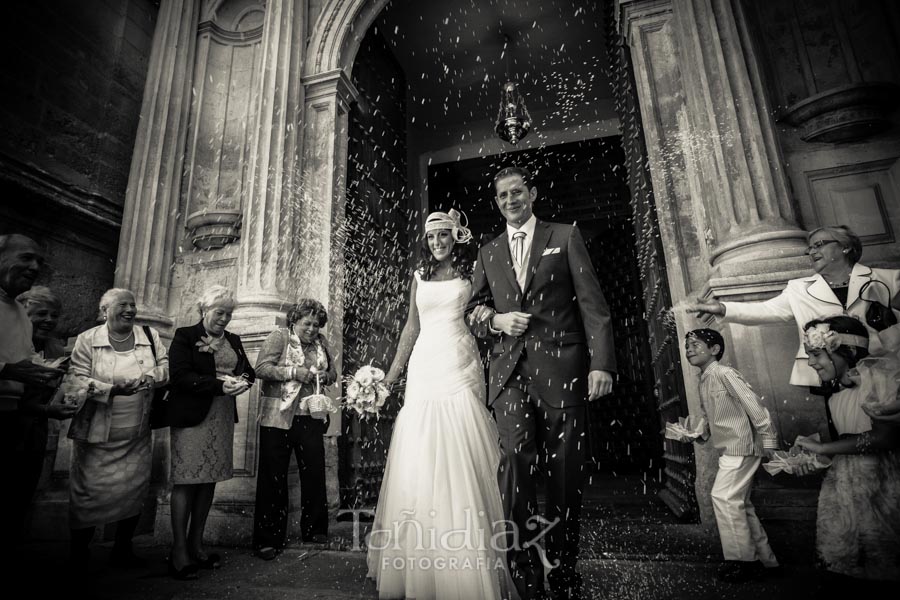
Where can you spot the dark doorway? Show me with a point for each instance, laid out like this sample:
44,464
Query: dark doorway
584,183
376,236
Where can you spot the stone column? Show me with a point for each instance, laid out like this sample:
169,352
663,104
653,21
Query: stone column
149,224
727,220
751,214
328,99
270,246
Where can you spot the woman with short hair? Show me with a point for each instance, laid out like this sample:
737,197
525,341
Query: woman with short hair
290,362
209,369
43,309
840,285
114,365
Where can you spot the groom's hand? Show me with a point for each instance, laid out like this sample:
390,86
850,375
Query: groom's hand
600,383
511,323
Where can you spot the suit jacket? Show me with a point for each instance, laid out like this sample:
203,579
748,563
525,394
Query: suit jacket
569,333
273,372
192,376
808,298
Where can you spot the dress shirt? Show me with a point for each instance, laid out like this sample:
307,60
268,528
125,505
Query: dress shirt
733,413
528,229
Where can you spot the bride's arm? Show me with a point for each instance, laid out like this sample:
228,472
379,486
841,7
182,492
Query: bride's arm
407,338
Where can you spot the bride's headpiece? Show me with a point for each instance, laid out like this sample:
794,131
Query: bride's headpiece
450,220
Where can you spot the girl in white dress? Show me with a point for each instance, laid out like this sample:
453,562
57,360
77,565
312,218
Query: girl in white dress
858,517
439,530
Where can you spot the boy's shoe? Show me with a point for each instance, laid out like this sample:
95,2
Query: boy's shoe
266,553
736,571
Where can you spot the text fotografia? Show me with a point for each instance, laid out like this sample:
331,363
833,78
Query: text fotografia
441,563
412,534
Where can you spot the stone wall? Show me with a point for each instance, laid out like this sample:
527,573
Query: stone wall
73,84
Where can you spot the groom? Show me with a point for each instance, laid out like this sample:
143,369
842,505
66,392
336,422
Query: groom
537,296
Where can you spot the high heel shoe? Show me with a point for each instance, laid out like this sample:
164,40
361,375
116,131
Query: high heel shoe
212,561
185,573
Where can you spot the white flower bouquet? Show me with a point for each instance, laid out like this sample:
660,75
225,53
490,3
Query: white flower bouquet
789,462
686,429
365,392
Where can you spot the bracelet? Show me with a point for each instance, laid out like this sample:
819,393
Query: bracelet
864,443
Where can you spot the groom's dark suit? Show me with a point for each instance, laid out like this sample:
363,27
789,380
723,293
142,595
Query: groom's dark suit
538,385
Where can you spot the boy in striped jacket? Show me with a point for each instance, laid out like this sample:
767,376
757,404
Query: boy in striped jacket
742,432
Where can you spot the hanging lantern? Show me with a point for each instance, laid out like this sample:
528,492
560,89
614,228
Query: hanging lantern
513,120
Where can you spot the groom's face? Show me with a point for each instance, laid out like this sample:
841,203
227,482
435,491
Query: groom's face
515,200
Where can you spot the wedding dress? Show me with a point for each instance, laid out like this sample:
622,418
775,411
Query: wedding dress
438,528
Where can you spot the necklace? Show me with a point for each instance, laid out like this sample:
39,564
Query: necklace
842,283
117,340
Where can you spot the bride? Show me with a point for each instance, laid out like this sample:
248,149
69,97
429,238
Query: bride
439,530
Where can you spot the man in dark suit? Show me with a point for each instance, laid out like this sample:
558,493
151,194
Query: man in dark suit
538,297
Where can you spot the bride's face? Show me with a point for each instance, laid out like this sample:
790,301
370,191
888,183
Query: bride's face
440,242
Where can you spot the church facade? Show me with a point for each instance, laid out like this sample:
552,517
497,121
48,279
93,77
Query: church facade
744,124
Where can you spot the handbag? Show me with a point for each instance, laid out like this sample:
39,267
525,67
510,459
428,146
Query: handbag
878,316
159,407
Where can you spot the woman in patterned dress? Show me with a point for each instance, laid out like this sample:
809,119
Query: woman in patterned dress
209,368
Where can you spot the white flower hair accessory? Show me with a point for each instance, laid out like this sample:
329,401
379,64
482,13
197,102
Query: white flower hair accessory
822,337
451,220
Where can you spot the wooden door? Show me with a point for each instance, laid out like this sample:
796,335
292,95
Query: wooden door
678,471
376,256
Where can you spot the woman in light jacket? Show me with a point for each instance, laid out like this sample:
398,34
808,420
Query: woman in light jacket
840,285
289,362
114,365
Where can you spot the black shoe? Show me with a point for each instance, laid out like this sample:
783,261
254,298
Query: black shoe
183,574
212,561
126,559
736,571
267,553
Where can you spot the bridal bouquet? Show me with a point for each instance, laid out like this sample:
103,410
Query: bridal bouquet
795,457
366,393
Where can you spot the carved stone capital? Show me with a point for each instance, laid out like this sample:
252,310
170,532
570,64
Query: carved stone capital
333,84
845,113
212,229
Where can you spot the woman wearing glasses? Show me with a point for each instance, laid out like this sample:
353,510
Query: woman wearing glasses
840,285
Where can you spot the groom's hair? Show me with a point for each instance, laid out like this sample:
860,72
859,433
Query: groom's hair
522,172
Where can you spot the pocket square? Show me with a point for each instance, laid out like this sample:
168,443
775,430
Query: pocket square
550,251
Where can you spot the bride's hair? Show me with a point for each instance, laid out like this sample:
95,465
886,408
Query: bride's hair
462,259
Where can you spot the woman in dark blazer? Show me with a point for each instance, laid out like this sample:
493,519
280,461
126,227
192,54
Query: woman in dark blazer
208,368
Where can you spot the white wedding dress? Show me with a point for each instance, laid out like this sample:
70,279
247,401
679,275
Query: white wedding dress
438,527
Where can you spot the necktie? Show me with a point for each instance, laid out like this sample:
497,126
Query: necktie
519,249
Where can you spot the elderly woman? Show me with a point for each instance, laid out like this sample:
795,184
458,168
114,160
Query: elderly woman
840,285
43,308
289,363
114,365
209,368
